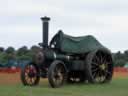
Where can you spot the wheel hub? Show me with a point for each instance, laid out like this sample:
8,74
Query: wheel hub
58,75
31,74
102,66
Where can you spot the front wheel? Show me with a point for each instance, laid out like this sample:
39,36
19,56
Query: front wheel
57,74
30,75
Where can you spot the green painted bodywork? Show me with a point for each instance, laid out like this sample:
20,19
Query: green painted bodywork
77,45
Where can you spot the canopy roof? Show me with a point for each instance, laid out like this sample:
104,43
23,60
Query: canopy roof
70,44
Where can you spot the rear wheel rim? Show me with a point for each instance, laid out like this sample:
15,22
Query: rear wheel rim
101,68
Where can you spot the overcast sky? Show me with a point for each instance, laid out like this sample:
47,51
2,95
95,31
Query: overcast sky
107,20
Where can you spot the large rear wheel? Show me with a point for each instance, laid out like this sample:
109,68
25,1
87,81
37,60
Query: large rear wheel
99,66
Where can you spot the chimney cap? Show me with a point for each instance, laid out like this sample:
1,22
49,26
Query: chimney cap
45,18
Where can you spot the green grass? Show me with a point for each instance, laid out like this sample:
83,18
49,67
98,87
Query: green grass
118,87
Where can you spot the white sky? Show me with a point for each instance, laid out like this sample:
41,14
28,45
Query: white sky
107,20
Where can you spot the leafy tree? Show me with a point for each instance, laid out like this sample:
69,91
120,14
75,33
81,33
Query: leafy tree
24,57
3,58
10,53
10,50
126,52
120,63
1,49
22,51
35,48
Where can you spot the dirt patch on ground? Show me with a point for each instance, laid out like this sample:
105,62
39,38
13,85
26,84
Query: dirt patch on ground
6,78
13,78
10,79
120,74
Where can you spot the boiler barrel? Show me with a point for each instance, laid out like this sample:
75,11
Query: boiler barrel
53,56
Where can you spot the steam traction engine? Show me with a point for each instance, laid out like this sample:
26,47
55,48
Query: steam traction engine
70,59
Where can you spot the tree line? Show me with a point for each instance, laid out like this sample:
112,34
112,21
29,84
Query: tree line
120,58
24,53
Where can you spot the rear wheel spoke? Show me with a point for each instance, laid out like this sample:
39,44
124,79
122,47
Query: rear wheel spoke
108,73
101,76
94,74
94,70
94,63
97,59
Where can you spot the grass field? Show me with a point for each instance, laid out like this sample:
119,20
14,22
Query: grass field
118,87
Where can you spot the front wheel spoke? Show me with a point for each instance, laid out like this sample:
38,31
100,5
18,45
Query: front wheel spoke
31,80
27,78
34,78
26,74
54,75
55,70
57,81
27,70
59,72
54,79
57,78
61,76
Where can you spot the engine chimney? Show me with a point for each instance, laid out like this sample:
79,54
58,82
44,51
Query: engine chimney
45,27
